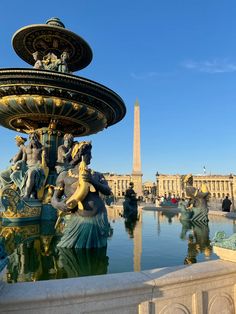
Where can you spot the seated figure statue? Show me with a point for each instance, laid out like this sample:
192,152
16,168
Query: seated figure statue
77,192
62,64
29,175
5,175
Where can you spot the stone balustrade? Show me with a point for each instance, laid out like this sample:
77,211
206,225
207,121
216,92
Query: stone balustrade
207,287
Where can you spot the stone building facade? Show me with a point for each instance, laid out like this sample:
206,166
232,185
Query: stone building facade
218,185
118,183
149,188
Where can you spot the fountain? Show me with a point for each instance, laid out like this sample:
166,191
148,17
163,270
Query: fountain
49,177
53,106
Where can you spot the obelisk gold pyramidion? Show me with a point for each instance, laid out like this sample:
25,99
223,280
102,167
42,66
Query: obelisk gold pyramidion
137,170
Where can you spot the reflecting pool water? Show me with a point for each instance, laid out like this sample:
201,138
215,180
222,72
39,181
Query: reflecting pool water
157,239
160,240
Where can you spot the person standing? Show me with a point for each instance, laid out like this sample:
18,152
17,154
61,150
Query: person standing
226,204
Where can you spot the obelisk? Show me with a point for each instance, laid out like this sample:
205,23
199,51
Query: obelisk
137,171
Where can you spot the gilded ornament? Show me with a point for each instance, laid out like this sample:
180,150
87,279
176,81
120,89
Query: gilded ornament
39,100
58,102
83,188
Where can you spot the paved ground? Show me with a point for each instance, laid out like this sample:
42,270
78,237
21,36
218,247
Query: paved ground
220,213
211,211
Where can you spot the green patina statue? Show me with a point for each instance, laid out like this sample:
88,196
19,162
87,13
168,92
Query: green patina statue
6,175
220,239
64,153
130,208
77,192
196,208
29,175
28,172
51,62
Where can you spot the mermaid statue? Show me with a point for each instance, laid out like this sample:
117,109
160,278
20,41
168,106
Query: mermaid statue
197,207
77,193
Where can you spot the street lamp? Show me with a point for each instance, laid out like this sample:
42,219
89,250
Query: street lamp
231,190
114,192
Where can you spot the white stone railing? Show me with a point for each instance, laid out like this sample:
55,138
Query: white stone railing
202,288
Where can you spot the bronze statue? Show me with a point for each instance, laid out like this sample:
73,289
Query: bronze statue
38,57
197,208
63,65
29,175
198,196
64,153
50,62
5,175
130,210
78,194
35,176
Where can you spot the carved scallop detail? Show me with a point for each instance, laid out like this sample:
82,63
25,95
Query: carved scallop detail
175,308
222,303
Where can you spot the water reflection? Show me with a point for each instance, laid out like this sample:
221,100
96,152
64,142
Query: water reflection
133,226
169,215
156,239
33,255
198,239
83,262
25,263
195,238
161,216
130,225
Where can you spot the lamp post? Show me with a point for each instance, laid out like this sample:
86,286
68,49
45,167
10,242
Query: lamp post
231,191
114,192
157,184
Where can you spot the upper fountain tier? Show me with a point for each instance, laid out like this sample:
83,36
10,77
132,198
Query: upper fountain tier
50,95
52,38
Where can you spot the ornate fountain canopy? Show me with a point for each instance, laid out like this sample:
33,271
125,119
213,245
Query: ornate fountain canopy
49,96
52,37
31,100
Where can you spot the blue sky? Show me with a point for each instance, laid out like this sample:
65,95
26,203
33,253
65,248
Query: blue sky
178,58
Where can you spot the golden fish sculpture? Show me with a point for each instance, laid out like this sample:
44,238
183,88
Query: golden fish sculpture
82,190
